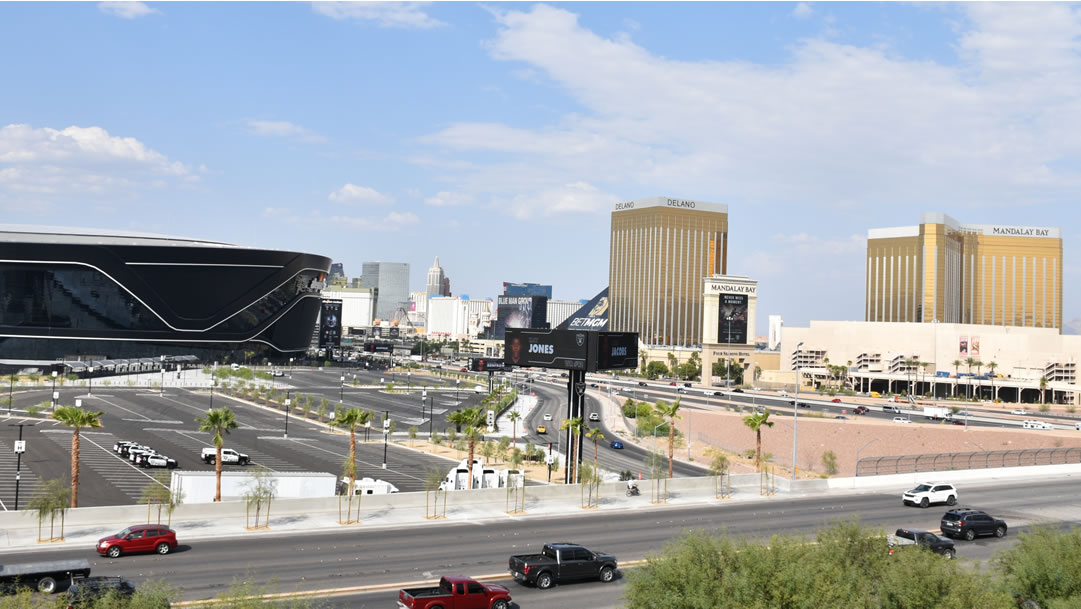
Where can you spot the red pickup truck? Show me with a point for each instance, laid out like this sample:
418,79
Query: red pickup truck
455,593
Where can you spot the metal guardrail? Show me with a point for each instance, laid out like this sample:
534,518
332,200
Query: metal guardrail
910,464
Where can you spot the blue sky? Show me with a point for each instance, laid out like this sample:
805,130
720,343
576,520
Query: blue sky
496,136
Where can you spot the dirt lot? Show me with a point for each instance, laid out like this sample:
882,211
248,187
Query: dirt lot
725,430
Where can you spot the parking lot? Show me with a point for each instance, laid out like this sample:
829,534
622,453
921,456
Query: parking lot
166,421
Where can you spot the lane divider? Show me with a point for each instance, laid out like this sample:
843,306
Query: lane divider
361,589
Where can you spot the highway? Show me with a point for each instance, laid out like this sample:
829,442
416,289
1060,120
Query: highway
363,556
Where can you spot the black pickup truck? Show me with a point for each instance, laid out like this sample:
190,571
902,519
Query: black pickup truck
923,539
562,562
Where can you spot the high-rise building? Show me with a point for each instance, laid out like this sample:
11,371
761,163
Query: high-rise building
776,324
391,282
946,271
527,289
661,250
337,274
446,286
436,283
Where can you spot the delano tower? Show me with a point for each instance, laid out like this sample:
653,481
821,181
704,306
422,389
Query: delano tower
661,249
951,272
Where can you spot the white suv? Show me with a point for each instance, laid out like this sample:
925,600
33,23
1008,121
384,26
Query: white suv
930,492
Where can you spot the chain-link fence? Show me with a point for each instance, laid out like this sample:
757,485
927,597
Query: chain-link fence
909,464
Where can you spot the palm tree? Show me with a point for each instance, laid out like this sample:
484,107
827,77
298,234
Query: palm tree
514,416
1043,390
909,365
978,364
755,422
970,361
575,425
474,420
956,365
991,369
76,419
350,420
596,435
669,411
217,421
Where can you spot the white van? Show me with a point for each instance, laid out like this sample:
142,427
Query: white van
1037,425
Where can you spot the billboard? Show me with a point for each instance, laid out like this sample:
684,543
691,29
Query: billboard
487,364
378,348
732,319
962,345
592,316
563,349
974,346
330,324
613,350
519,312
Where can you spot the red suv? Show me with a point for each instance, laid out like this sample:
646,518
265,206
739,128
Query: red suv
860,410
138,538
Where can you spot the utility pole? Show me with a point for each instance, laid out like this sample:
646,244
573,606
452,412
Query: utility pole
20,448
386,435
288,404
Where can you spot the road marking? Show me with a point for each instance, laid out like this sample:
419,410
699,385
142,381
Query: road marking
162,422
366,589
144,417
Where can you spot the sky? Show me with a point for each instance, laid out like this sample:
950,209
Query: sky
498,136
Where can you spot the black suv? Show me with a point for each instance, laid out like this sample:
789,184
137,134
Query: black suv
83,592
968,523
925,539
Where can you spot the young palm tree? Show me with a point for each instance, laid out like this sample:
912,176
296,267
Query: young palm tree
596,435
350,420
991,370
755,422
575,425
217,421
474,420
669,411
514,416
76,419
1043,390
956,364
970,362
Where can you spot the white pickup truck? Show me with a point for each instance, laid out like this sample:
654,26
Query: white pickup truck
228,455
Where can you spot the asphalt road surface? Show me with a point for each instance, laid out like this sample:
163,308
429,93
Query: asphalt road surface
360,556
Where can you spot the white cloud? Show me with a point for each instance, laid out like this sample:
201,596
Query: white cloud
392,221
835,125
577,197
283,129
448,199
385,14
126,10
81,159
803,10
364,195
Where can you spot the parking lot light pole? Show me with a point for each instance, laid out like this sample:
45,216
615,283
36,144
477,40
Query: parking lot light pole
341,393
288,403
11,388
386,435
423,398
854,473
457,384
795,416
18,460
90,381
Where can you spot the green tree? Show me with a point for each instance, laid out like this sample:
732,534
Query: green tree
474,422
718,467
597,436
574,424
755,422
656,369
670,412
218,421
956,365
76,419
1043,566
52,498
514,416
412,434
350,420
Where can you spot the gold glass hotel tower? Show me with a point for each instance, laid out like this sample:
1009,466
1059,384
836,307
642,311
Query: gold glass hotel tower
965,273
661,250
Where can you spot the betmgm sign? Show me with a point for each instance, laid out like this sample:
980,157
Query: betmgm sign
570,349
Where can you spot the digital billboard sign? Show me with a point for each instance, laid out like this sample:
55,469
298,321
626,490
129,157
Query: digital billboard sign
571,349
613,350
519,312
487,364
330,324
378,348
591,316
732,319
546,348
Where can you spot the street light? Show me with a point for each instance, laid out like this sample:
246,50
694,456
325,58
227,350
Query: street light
795,415
858,459
341,393
457,384
431,415
90,381
56,396
386,436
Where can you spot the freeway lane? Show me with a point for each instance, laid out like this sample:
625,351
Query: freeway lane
355,556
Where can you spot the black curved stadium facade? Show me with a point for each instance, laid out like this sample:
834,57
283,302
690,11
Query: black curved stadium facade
76,294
